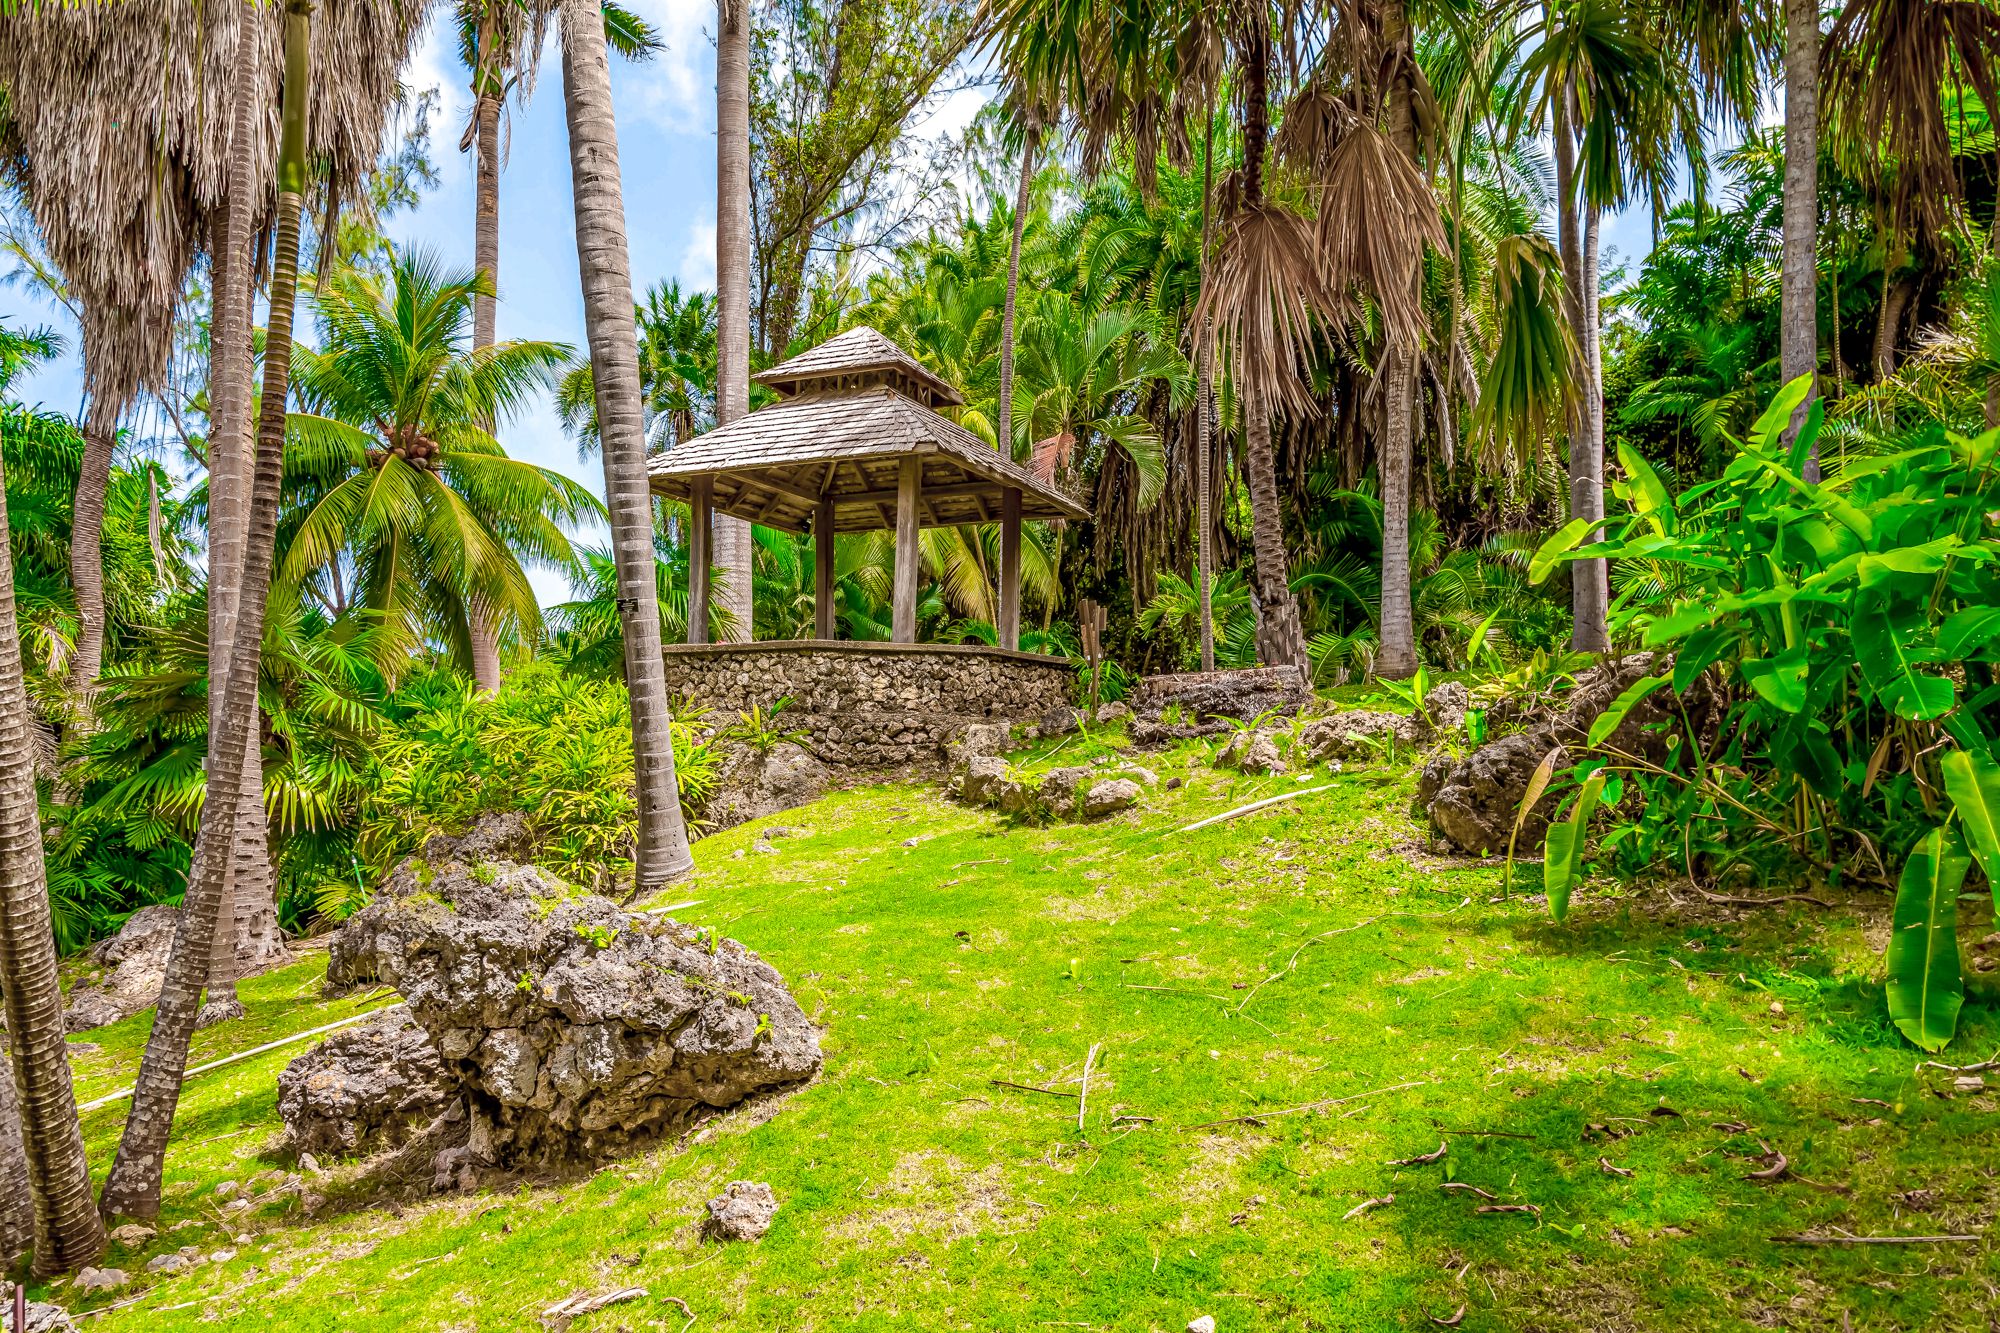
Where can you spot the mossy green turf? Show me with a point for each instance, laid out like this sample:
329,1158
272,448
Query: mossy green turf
942,949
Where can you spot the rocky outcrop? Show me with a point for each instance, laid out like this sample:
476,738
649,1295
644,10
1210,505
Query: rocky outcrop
1252,752
1473,801
754,783
1109,797
365,1088
1357,737
1079,791
1447,704
574,1029
743,1211
44,1318
135,960
1206,695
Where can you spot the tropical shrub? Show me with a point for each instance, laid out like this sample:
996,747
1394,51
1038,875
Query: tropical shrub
1854,625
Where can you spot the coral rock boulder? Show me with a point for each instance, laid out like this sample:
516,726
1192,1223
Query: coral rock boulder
367,1087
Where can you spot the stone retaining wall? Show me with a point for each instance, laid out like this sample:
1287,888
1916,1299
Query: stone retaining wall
871,705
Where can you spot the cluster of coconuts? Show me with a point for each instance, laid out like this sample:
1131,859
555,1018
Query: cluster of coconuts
413,447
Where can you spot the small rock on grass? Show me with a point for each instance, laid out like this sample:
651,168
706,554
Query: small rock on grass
49,1319
743,1211
1201,1323
101,1279
132,1235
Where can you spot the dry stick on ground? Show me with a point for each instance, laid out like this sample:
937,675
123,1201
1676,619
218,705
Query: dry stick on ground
1871,1240
1980,1068
558,1316
1731,900
1365,1205
1456,1317
1254,806
1426,1159
675,1300
1457,1185
1083,1097
1029,1087
123,1093
1309,1106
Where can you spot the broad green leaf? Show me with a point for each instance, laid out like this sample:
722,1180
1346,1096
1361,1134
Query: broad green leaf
1649,494
1613,717
1556,547
1683,619
1780,680
1477,643
1802,443
1970,632
1851,518
1888,662
1538,782
1702,650
1925,986
1972,781
1562,854
1926,559
1784,406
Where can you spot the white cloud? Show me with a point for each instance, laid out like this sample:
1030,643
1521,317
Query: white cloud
697,263
675,90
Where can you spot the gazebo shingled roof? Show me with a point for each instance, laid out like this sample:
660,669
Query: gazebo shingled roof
857,406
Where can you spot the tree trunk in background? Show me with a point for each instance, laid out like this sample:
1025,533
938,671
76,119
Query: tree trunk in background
732,552
17,1211
662,853
86,542
1204,463
1396,654
249,895
1896,292
67,1230
133,1187
1281,641
485,321
1590,586
1798,352
1003,431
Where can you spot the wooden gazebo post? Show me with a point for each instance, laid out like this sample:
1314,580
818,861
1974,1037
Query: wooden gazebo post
823,569
1010,568
908,474
700,526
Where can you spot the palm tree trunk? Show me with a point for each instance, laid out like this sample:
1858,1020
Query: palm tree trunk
86,541
67,1230
1889,322
1396,655
1204,463
248,906
1003,433
608,314
731,548
1799,318
17,1211
1590,588
133,1187
485,321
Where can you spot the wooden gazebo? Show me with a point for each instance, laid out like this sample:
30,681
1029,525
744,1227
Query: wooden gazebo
855,444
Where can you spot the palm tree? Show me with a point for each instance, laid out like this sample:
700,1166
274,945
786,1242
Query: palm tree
405,504
498,41
17,1210
133,1186
608,312
732,544
67,1230
1799,313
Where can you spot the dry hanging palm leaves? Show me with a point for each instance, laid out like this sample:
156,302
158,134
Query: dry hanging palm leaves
1264,292
1376,214
1887,65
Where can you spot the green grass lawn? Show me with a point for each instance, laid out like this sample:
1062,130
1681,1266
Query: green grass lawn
1279,1005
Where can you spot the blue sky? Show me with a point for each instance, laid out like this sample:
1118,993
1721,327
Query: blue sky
666,128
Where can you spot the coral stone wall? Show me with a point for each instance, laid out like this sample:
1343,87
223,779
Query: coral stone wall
871,705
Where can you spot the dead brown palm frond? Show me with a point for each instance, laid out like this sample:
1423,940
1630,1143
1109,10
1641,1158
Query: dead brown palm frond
1264,293
117,129
1887,65
1376,215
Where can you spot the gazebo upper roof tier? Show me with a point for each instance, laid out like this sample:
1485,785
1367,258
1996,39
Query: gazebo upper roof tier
859,357
844,439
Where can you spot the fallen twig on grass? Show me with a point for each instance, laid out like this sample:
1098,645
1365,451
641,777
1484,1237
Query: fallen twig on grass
1362,1207
1424,1159
1083,1094
1610,1169
1253,807
351,1019
1777,1169
1982,1067
1486,1133
558,1316
1453,1320
1461,1186
1508,1208
1029,1087
1731,900
1261,1116
1871,1240
675,1300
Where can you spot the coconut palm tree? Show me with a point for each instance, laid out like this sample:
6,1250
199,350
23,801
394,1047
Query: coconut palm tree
17,1209
731,541
133,1186
67,1230
662,853
404,503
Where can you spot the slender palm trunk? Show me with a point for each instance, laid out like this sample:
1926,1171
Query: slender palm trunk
1281,640
608,314
1590,588
249,899
732,548
1896,292
1396,654
486,255
86,541
17,1209
1798,352
1004,426
67,1231
133,1187
1204,444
